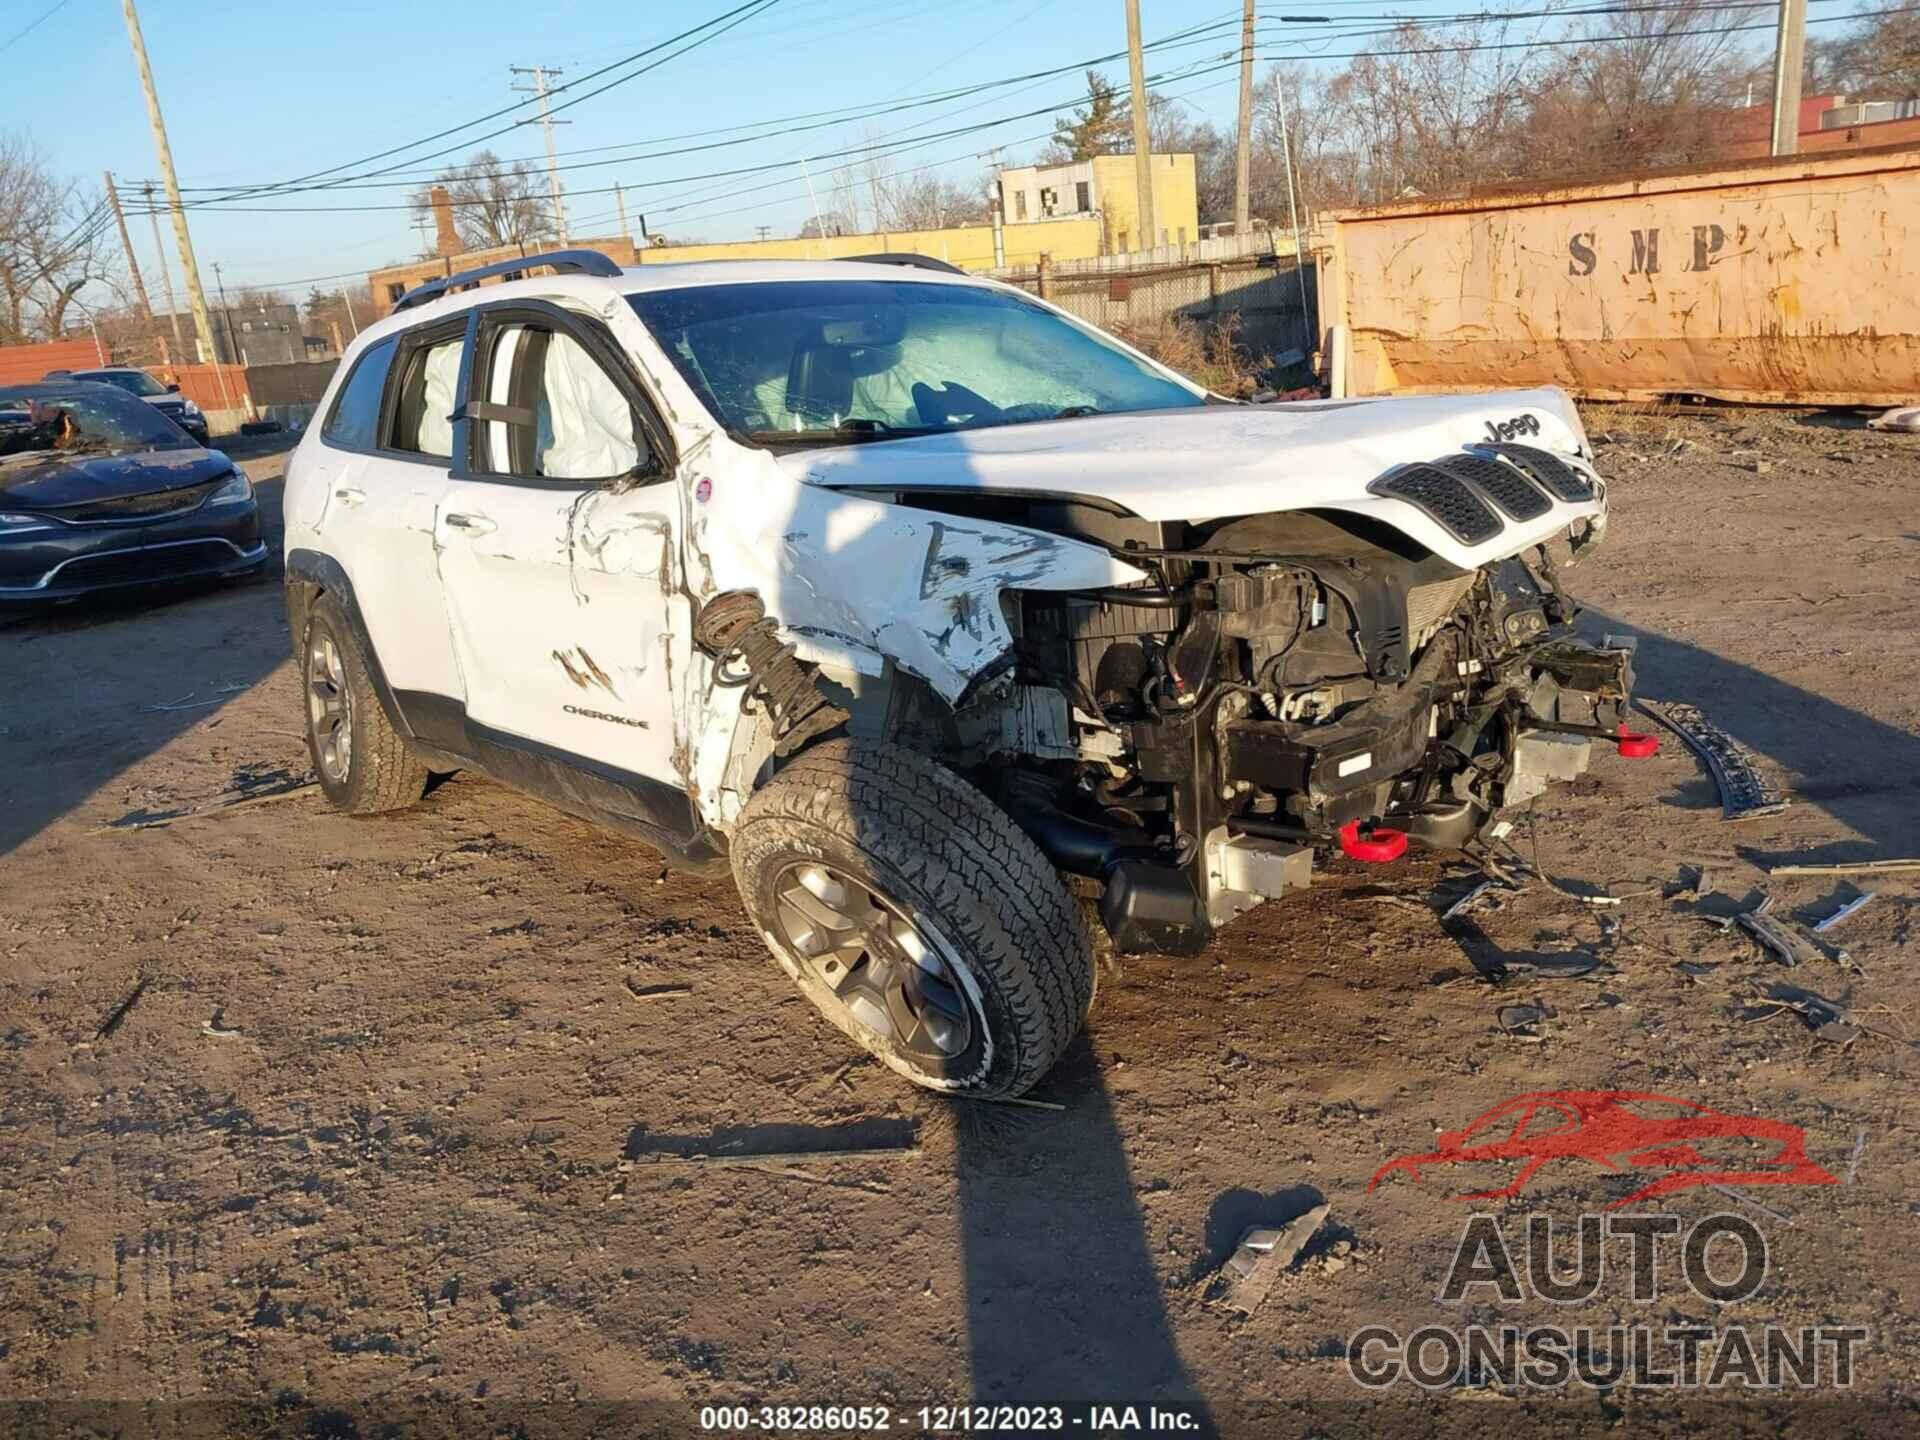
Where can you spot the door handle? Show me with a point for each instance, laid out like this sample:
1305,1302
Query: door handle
347,495
472,524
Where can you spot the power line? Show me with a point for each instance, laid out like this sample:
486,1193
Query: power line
224,206
46,15
785,125
827,119
744,11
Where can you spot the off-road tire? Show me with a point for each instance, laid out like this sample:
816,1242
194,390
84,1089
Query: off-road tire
923,837
382,771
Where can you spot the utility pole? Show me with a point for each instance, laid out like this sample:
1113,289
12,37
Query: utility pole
166,275
1243,151
1142,160
126,244
620,204
1293,214
1789,64
202,325
547,122
236,356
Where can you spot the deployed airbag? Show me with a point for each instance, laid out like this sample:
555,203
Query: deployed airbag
584,424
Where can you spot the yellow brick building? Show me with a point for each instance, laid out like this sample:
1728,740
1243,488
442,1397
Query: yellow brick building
1106,186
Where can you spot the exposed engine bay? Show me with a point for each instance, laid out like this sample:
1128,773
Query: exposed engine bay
1299,679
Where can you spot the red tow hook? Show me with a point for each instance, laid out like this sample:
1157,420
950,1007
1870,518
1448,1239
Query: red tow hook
1377,847
1634,746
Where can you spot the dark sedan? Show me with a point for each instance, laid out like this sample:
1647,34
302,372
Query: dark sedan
98,490
167,399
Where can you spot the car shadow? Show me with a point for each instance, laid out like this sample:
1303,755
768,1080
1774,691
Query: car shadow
1064,1302
1862,772
92,687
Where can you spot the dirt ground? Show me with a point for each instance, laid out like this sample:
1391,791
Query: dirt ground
386,1142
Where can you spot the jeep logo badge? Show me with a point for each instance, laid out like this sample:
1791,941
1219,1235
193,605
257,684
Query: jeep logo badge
1508,429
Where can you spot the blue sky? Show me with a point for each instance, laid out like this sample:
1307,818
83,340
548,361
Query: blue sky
265,91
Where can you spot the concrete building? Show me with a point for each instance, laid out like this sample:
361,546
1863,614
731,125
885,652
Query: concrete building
1107,186
248,334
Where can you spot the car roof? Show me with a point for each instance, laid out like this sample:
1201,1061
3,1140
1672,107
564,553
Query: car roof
592,290
678,274
45,389
110,370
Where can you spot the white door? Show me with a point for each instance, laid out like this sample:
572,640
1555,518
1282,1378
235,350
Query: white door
379,502
559,555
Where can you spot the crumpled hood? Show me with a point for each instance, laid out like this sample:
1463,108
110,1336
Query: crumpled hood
52,481
1229,460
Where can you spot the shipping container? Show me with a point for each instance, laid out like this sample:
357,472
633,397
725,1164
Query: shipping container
1778,281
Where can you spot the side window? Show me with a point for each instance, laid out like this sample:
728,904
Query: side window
356,410
423,414
551,412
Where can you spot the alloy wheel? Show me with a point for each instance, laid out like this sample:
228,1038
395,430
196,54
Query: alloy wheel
879,966
329,706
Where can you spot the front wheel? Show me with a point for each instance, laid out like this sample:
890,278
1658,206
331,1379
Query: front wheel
916,916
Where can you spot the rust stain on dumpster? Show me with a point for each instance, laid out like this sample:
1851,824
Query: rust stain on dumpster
1772,281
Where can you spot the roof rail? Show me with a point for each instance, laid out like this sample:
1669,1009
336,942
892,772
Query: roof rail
904,257
566,262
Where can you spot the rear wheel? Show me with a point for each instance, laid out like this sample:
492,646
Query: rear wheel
916,916
362,762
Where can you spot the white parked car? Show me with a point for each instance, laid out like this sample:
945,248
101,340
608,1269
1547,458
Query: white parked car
908,596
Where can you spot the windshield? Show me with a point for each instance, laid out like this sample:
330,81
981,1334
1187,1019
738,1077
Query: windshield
849,360
134,382
94,420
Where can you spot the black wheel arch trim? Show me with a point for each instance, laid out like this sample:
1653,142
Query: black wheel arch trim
313,567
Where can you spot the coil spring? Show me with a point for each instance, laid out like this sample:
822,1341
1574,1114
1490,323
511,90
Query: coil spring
736,627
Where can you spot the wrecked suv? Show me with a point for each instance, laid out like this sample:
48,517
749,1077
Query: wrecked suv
910,598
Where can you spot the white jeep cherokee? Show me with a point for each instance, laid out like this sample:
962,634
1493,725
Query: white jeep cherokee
909,595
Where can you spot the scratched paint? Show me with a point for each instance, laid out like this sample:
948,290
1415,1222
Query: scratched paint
1773,281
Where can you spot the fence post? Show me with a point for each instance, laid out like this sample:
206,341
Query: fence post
1213,289
1042,266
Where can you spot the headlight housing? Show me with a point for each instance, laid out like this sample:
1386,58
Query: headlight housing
189,409
237,491
18,523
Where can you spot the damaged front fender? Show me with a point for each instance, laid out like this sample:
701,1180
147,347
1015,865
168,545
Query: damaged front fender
856,582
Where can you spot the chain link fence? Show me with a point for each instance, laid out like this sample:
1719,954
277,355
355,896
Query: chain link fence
1272,296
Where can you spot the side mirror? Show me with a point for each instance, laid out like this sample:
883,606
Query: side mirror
173,387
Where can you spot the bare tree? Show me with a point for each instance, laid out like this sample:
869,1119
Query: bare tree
349,307
495,202
828,222
1653,92
53,243
1172,130
1880,61
924,201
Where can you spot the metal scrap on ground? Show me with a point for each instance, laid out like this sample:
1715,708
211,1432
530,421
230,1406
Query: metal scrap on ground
1852,907
1744,791
657,992
1854,867
1264,1254
1828,1019
1776,936
162,822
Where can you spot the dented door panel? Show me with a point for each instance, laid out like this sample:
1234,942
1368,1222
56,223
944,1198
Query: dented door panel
567,616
